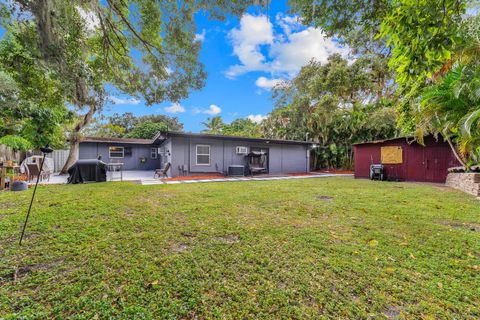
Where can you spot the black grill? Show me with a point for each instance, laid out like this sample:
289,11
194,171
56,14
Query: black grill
377,172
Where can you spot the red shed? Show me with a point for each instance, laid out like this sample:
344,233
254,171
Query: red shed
405,159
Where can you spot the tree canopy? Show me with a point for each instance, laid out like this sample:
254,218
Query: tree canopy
335,105
242,127
141,48
431,48
146,130
130,126
32,106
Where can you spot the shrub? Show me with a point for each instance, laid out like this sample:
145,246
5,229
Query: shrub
16,143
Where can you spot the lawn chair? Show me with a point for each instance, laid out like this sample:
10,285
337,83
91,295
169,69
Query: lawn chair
47,170
33,171
162,172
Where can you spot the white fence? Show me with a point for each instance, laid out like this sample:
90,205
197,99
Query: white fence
59,158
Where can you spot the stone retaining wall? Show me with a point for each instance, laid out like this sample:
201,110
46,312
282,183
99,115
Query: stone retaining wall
466,182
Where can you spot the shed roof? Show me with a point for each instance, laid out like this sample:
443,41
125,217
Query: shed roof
407,138
165,135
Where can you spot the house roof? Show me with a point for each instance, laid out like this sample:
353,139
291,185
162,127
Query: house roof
161,136
118,140
165,135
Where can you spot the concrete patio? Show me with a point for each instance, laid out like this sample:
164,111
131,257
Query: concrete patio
133,175
146,178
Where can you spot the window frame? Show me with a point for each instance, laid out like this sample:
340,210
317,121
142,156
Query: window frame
110,152
152,152
245,148
203,154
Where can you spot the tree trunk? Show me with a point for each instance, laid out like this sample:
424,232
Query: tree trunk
75,138
455,153
72,155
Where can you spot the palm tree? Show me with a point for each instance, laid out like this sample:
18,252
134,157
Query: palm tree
452,107
213,125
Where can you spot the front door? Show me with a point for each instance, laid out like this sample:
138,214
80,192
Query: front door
415,166
435,163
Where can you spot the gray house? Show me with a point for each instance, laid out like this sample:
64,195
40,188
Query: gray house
193,153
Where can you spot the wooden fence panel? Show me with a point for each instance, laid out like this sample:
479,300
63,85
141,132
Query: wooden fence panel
59,159
6,153
59,156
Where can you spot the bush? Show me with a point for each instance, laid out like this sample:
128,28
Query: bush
16,143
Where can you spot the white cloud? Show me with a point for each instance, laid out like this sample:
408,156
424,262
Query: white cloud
200,36
266,83
175,108
121,101
257,118
300,47
213,110
279,50
287,23
254,32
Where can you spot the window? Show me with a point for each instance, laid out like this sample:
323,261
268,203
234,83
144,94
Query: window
203,155
116,152
241,150
153,153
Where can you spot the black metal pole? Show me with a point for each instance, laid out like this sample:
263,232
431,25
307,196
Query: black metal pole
45,151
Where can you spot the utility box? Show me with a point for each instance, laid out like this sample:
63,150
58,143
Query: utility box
236,170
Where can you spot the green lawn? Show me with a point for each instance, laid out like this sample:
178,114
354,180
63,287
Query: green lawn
276,249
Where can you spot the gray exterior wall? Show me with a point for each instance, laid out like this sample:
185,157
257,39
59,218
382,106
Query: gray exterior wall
283,158
181,151
91,150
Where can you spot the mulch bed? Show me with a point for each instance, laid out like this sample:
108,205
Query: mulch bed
295,174
338,171
199,177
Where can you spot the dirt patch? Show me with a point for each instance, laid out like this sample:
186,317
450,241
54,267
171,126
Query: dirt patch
17,273
324,198
467,226
229,239
54,204
129,212
188,234
392,312
177,248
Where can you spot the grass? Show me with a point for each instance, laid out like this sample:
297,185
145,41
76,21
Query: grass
312,248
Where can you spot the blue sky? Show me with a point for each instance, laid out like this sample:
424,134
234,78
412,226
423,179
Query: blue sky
244,57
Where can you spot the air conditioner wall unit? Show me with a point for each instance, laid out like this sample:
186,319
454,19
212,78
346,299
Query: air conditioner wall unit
241,150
